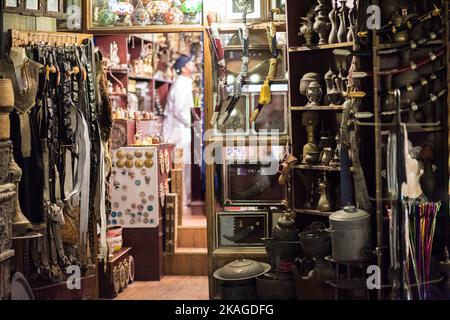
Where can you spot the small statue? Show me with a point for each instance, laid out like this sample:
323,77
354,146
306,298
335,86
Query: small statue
114,55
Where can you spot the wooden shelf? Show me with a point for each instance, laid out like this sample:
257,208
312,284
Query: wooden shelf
237,251
419,130
317,108
401,44
117,70
97,30
318,167
247,139
321,47
313,212
281,26
119,254
143,78
118,94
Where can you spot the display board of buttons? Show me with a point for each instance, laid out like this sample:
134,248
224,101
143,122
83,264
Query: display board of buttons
134,194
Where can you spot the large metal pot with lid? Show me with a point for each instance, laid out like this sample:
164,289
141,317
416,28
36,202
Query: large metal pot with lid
241,269
350,234
238,279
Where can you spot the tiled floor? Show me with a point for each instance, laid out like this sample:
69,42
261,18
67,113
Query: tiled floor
169,288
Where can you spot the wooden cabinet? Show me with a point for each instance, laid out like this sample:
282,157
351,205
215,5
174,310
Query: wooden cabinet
11,6
33,7
426,123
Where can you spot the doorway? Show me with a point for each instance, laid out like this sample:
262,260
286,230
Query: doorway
142,74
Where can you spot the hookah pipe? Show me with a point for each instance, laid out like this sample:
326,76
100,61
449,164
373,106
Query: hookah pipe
213,32
412,45
240,79
265,96
390,29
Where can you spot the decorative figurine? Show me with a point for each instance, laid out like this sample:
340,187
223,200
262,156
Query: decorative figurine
114,55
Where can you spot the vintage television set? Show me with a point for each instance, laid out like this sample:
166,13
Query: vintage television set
250,175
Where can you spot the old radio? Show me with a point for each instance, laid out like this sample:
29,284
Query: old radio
239,229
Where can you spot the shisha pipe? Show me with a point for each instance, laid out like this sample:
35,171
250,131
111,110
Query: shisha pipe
412,45
391,29
240,79
213,32
265,96
432,56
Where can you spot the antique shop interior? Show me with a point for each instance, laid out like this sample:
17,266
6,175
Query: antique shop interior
234,150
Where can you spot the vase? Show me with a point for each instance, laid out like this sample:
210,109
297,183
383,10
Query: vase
106,17
123,11
324,204
20,224
328,77
157,11
352,23
351,33
306,81
342,31
314,93
307,30
322,23
335,95
333,16
191,9
174,16
310,149
140,16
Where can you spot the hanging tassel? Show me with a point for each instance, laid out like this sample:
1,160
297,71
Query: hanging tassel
265,96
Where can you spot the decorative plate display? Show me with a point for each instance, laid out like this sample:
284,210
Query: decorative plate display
128,200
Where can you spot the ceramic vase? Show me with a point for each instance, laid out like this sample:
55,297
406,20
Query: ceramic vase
322,23
140,16
307,30
333,16
342,31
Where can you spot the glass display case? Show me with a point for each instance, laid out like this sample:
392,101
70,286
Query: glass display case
144,14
